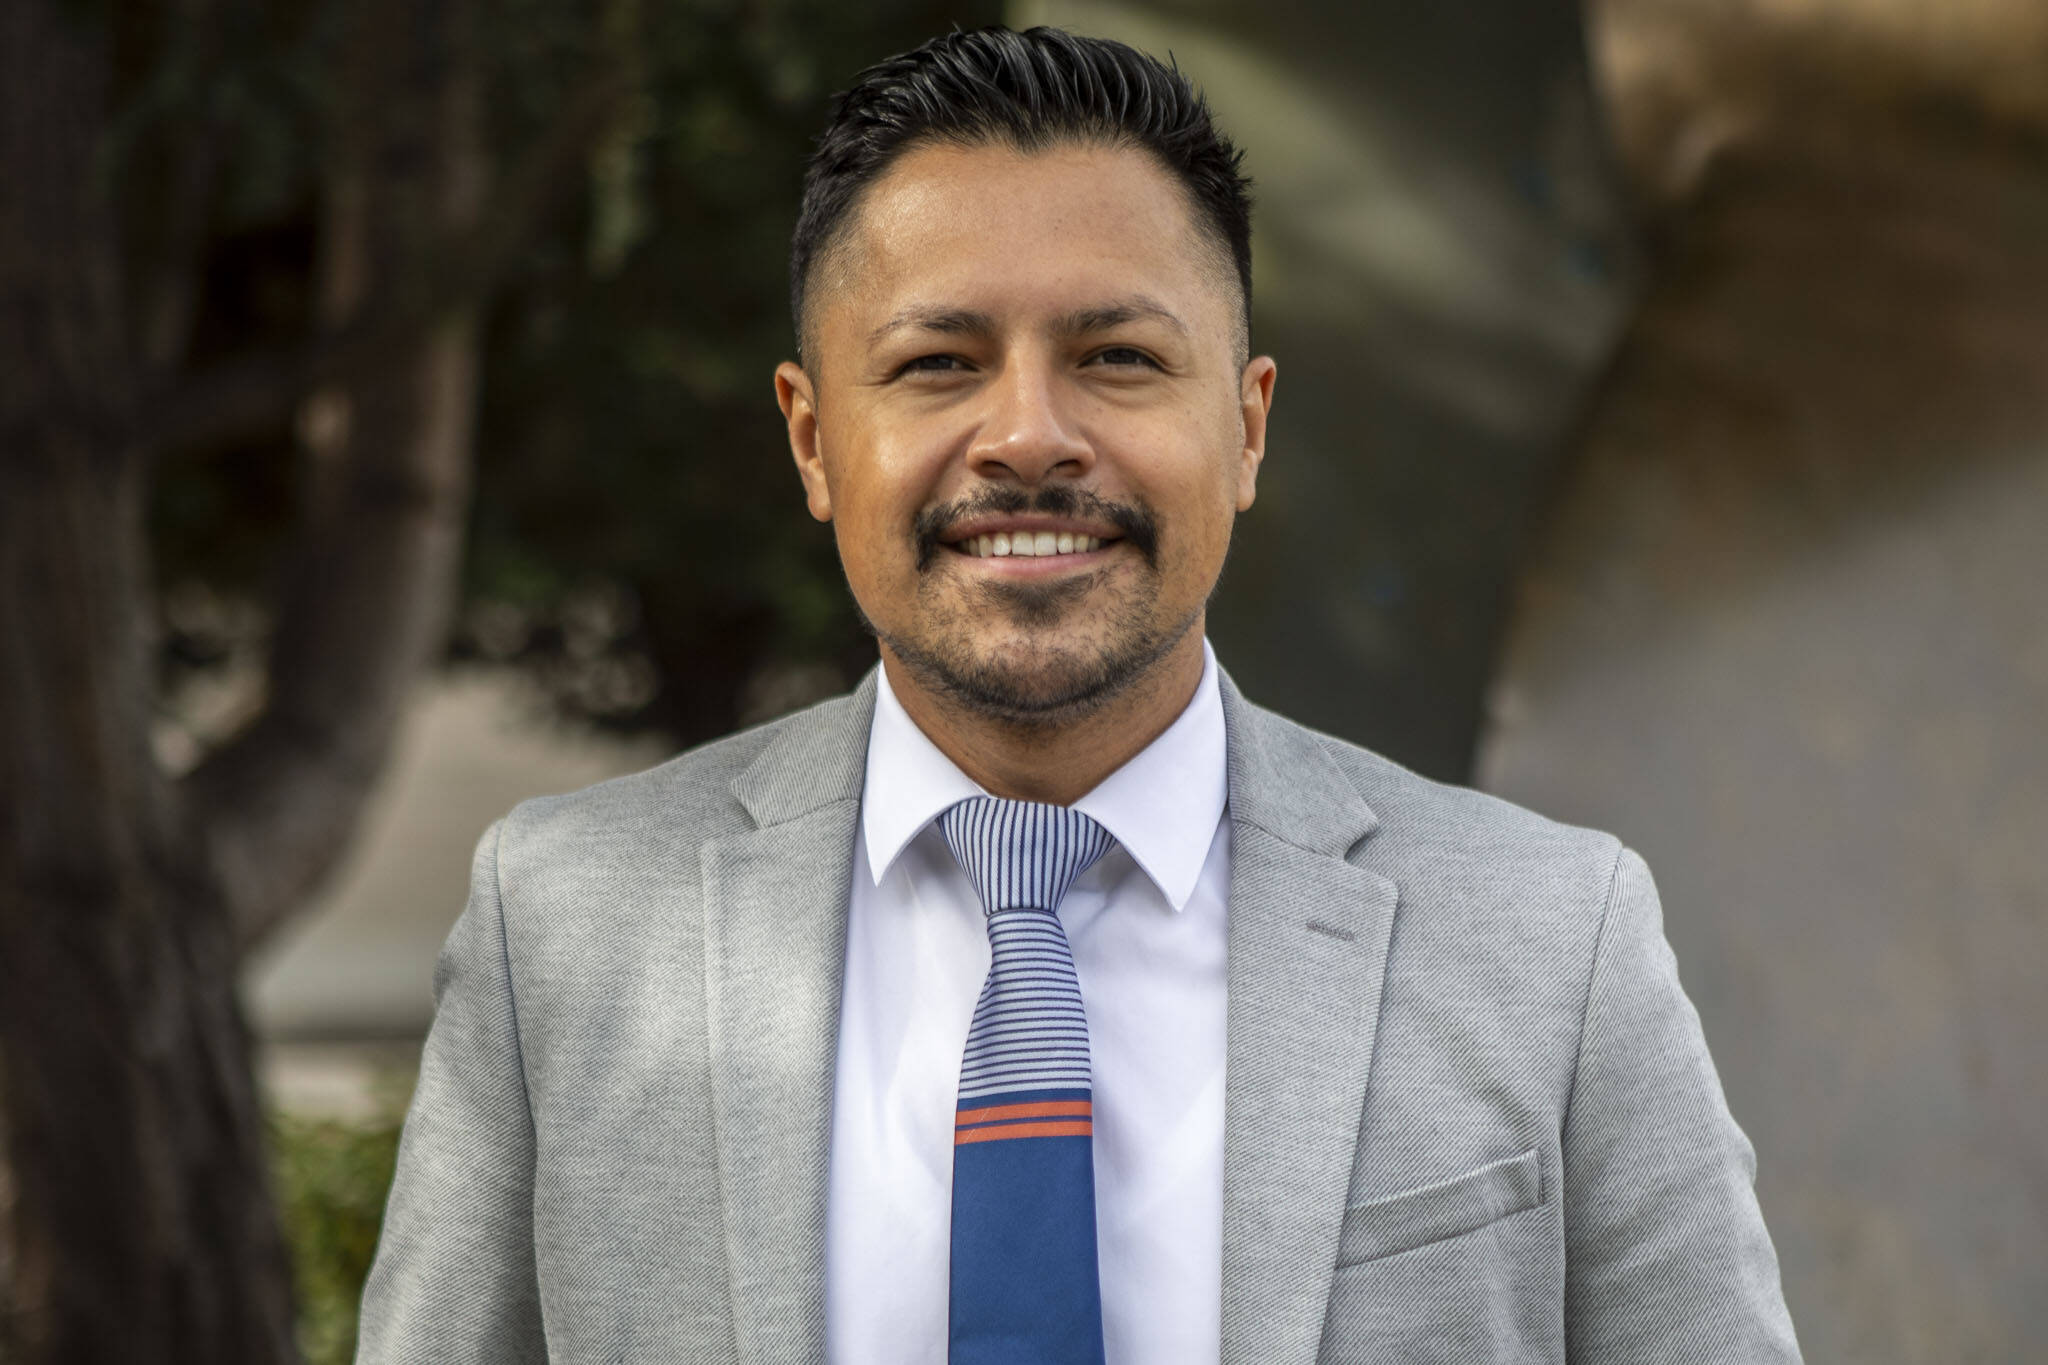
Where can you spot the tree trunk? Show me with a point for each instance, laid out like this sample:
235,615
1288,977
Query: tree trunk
142,1228
139,1227
366,600
136,1225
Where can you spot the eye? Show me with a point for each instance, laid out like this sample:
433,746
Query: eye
1121,357
932,364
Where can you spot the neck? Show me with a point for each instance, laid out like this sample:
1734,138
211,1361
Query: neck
1056,764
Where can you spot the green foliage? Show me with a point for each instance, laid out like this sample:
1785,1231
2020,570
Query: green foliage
629,453
332,1177
629,443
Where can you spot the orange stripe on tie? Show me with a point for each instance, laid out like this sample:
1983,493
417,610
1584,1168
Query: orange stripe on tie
1082,1128
1037,1109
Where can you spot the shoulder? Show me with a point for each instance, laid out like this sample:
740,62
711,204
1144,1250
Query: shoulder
662,813
1443,841
1501,913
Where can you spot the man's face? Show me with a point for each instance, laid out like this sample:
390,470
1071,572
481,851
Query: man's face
1039,353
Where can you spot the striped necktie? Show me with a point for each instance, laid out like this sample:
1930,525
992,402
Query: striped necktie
1024,1287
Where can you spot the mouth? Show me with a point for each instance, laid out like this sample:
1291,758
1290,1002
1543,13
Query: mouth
1026,543
1012,535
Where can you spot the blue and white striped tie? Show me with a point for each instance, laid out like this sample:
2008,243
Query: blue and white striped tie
1024,1284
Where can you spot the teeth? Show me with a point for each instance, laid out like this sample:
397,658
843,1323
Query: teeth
1029,544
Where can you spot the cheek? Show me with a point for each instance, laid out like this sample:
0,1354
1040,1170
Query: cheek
857,480
881,477
1208,538
874,521
867,547
1202,500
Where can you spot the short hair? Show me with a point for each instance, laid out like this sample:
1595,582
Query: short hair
1029,90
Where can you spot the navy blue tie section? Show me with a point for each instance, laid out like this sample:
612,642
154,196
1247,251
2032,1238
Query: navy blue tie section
1024,1287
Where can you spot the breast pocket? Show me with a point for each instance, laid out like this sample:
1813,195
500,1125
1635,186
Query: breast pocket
1447,1208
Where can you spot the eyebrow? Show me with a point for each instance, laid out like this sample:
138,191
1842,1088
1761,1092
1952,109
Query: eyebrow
1080,322
1137,308
950,321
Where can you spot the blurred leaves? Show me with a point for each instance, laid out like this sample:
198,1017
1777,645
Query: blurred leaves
239,82
628,447
332,1177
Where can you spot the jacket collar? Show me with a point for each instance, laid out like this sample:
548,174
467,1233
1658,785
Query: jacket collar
818,756
1282,779
1310,930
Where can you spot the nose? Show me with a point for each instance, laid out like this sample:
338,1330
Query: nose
1026,434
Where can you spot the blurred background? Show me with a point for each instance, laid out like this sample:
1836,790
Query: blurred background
386,435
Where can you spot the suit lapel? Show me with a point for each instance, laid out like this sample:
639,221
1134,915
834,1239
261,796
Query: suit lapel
1309,934
1308,945
775,902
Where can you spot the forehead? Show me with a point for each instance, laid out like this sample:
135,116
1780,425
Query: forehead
1022,234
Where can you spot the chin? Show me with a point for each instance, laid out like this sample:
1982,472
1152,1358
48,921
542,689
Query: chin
1030,681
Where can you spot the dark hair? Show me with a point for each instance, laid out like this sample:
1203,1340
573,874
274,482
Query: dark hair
1030,90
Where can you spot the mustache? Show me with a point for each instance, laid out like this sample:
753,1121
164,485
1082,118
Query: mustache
1133,519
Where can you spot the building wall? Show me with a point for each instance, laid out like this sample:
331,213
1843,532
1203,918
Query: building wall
1441,265
1787,634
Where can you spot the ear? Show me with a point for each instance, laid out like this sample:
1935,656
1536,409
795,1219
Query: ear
1255,403
799,404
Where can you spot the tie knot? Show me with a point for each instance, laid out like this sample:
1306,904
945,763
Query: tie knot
1021,854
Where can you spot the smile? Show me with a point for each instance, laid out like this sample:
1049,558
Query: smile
1043,544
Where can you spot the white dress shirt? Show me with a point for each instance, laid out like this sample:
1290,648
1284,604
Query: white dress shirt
1147,927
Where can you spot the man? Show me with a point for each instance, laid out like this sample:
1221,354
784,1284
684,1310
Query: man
1043,999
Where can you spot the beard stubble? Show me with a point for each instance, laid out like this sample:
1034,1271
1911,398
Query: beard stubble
1042,677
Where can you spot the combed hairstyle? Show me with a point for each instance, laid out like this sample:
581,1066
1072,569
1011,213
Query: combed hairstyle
1028,90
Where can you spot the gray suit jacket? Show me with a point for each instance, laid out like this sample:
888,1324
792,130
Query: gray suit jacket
1469,1112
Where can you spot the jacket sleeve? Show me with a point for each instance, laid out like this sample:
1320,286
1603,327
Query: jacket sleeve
454,1277
1667,1258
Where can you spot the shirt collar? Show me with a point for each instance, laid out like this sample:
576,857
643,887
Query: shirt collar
1162,805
